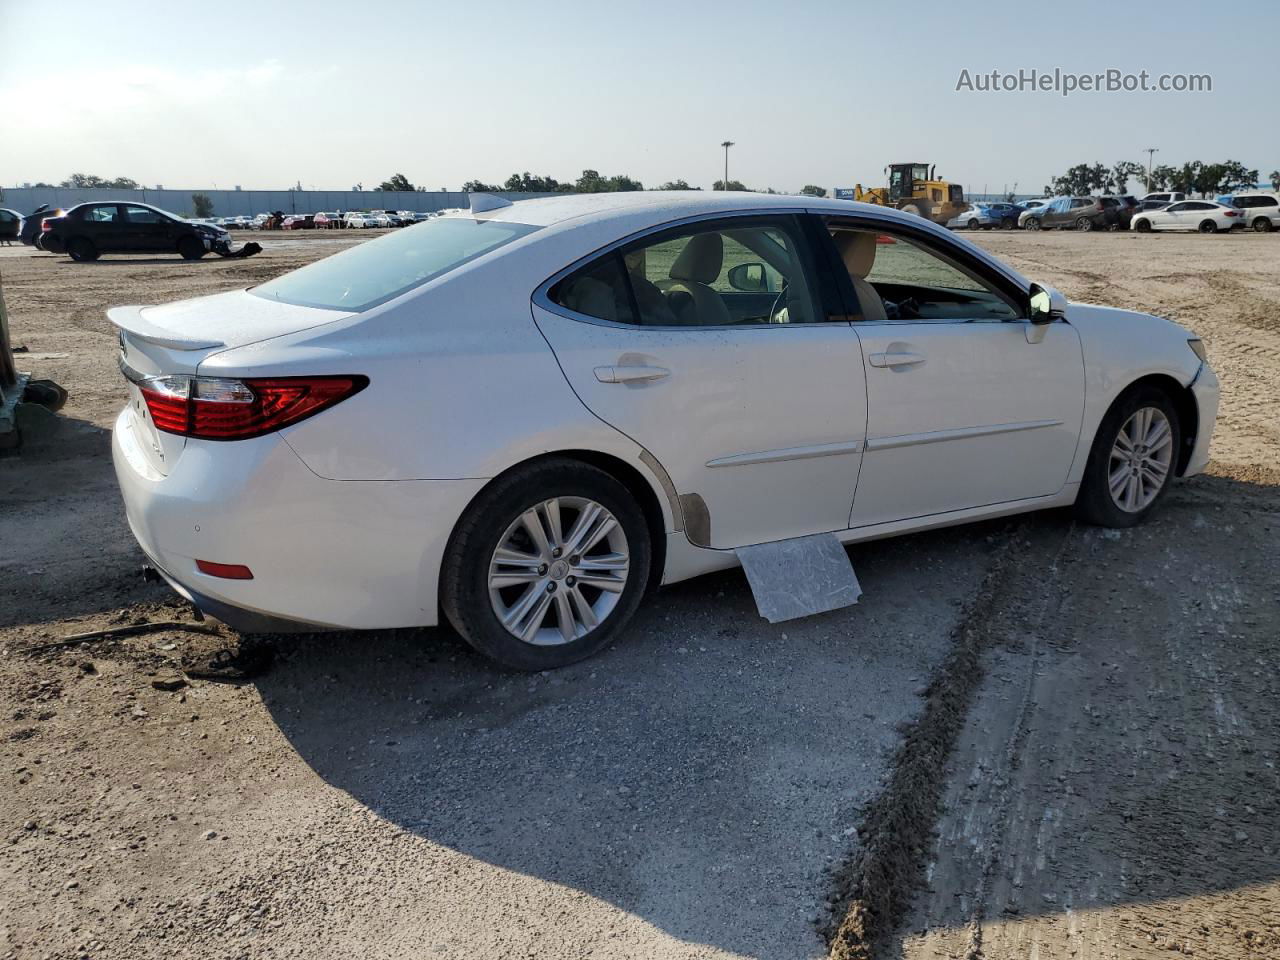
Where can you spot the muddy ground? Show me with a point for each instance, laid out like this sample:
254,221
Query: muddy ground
697,791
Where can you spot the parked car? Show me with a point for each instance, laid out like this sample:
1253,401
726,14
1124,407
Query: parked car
299,221
1151,205
975,217
1203,215
32,223
89,230
1169,196
329,221
361,221
1119,211
615,419
407,217
10,225
1259,210
1076,213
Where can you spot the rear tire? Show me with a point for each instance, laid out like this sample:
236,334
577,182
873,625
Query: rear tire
1208,226
1095,502
474,602
82,250
1262,225
191,248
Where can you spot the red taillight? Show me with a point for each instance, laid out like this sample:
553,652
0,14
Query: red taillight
212,408
46,224
1231,213
227,571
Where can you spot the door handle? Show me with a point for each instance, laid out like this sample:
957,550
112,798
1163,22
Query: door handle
898,359
630,374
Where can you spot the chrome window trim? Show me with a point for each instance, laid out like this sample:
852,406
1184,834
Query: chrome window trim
541,295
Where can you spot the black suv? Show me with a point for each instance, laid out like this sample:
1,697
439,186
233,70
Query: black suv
91,229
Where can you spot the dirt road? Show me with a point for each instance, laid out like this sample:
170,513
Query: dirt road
695,792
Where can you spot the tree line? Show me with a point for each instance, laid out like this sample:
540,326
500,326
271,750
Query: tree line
1192,177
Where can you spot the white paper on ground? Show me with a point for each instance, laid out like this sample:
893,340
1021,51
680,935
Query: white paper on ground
800,577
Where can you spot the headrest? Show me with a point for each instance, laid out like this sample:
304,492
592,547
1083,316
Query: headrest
700,260
857,250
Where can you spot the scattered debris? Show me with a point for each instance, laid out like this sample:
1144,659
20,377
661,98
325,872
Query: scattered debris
126,631
169,684
228,667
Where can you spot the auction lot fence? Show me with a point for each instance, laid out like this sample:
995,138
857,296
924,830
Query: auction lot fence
231,203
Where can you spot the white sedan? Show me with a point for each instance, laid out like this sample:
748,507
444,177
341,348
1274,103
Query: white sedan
520,417
1203,215
361,221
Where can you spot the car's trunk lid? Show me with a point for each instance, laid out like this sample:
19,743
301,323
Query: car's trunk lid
175,338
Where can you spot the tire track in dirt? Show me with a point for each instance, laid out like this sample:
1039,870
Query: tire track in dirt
873,890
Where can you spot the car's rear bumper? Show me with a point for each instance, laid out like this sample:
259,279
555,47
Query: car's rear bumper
1205,389
323,553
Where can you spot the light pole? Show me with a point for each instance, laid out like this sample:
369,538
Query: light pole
1151,153
727,144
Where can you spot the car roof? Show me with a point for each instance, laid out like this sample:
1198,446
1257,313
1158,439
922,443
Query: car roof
653,207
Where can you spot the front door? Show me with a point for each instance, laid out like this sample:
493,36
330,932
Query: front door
718,348
968,404
150,231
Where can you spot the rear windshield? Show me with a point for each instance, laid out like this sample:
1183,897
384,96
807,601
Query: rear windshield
378,270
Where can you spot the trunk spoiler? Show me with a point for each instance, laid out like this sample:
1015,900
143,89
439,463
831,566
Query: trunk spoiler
131,321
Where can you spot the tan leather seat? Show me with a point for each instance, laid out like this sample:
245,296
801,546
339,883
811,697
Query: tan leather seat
691,298
858,250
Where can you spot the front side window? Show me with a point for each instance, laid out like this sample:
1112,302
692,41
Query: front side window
744,271
143,215
375,272
896,278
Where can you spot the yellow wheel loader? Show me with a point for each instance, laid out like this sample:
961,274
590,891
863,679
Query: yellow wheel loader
913,188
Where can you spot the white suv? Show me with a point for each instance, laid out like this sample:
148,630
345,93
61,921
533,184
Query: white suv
1166,197
1259,210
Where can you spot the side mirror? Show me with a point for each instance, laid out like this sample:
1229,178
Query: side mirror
749,278
1045,305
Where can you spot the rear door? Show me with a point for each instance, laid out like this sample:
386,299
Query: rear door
968,404
103,225
720,348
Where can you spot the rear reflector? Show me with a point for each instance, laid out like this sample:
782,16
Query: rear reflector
228,571
215,408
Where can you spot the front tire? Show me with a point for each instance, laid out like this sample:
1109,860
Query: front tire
1132,461
974,225
547,566
1033,224
191,248
1084,223
1143,226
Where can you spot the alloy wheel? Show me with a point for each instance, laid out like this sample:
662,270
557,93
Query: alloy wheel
1141,459
558,571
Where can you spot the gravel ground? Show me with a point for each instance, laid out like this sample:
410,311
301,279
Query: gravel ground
696,791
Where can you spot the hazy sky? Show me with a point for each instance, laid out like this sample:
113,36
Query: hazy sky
336,93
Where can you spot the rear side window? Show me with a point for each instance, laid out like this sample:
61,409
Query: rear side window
598,290
375,272
746,270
